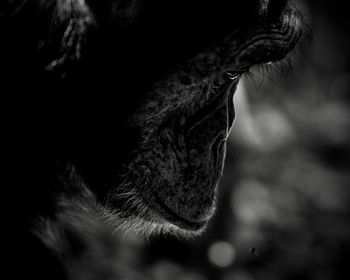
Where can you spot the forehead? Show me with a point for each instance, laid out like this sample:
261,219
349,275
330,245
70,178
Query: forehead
185,26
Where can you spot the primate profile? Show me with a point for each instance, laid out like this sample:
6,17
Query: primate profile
117,116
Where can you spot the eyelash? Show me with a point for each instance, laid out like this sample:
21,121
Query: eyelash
267,70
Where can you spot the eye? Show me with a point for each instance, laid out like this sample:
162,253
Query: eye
225,80
231,75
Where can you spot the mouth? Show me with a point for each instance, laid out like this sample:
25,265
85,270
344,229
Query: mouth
175,219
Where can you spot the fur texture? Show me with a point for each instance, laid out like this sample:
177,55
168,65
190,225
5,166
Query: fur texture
118,116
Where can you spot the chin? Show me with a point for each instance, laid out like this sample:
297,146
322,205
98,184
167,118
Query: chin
148,218
144,203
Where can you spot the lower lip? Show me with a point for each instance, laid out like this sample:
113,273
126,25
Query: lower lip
177,220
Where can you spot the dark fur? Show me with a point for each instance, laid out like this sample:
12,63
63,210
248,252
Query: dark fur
106,106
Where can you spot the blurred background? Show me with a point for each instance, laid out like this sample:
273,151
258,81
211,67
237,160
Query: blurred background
284,201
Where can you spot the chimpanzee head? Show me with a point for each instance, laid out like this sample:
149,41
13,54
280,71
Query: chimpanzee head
139,94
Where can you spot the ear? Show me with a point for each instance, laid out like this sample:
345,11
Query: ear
75,18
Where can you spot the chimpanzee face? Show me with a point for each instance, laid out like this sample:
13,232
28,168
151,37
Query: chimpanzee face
141,96
157,95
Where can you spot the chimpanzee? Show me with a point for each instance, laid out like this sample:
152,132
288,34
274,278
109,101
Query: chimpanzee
116,117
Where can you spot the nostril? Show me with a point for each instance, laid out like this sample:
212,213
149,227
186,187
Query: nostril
275,9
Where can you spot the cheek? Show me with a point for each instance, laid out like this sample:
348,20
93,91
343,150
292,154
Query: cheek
185,158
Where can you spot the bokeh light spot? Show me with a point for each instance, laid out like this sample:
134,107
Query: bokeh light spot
222,254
